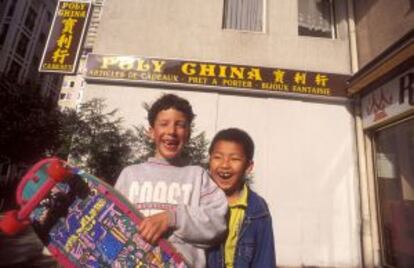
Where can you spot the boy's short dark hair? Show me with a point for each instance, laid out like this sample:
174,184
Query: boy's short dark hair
235,135
168,101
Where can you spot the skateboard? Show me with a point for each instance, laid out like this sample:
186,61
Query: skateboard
83,221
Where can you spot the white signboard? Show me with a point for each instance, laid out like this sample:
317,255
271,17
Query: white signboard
389,100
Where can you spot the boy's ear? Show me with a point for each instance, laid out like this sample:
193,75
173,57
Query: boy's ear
249,167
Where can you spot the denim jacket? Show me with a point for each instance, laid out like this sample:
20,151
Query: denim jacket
255,245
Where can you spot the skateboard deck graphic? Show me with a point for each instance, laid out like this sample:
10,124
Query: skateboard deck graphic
84,222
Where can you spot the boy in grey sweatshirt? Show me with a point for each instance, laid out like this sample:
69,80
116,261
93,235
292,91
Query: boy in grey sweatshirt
180,202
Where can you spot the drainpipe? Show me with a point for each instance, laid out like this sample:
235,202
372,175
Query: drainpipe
352,37
365,209
366,231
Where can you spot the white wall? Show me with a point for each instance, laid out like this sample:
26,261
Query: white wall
304,165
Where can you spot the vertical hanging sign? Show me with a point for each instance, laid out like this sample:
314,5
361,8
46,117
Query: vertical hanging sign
65,37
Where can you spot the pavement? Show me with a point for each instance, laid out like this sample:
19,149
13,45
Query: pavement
24,250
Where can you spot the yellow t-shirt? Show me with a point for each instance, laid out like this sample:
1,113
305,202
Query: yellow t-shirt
237,211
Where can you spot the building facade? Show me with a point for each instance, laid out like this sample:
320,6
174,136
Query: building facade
24,26
71,93
334,167
384,90
305,161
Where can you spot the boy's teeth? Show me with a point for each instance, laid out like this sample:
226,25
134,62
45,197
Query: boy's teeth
225,174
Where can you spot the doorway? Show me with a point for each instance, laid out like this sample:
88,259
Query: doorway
394,164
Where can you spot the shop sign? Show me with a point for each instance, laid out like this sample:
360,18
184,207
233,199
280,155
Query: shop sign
65,37
214,75
389,100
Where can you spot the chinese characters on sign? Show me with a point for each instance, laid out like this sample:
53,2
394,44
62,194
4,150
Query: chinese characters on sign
217,75
65,37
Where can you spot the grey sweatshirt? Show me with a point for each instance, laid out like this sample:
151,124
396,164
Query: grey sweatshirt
198,207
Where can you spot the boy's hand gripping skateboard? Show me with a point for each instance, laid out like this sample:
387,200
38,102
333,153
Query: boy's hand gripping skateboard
83,221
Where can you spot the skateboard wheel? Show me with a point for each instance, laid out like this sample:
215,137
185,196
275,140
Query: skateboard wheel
11,225
57,171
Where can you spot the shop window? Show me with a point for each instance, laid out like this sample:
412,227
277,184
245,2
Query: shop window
30,19
394,154
22,46
3,33
316,18
244,15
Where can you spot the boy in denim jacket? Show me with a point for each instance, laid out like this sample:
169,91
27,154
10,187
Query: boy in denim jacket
249,241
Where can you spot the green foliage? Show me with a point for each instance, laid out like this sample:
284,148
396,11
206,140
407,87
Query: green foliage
99,144
29,123
196,149
144,147
31,127
69,123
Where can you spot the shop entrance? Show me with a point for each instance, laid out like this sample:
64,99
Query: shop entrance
394,159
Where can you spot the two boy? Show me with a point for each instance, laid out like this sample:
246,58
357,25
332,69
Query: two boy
183,203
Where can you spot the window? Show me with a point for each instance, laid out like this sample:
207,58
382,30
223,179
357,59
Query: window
14,71
21,48
42,38
87,50
56,79
30,19
316,18
394,152
12,8
49,16
3,33
35,61
245,15
72,83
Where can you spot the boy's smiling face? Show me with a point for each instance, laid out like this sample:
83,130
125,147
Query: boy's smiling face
228,165
170,133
